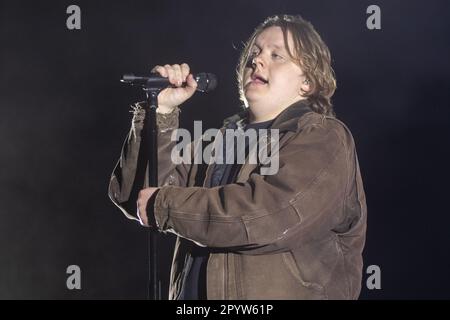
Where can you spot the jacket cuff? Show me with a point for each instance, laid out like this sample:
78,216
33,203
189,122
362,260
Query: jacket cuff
168,121
150,209
164,121
160,209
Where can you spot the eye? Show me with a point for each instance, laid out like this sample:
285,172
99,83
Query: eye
276,56
253,54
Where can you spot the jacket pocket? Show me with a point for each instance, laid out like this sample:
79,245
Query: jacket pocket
316,289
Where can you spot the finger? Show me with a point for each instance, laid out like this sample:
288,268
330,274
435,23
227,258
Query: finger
171,74
191,83
144,219
138,214
142,216
185,71
177,71
140,207
160,70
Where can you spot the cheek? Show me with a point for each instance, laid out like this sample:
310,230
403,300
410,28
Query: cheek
246,76
288,82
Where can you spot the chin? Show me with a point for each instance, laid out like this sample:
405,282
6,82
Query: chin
252,96
258,107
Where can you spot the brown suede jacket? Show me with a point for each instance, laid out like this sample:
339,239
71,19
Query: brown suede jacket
298,234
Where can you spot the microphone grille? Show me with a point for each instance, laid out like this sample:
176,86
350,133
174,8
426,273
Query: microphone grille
206,82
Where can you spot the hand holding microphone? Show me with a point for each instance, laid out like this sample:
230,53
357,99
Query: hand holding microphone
171,97
176,82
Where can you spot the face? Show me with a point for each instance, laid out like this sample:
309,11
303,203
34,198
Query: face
274,81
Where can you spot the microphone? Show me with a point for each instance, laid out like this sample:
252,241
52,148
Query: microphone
206,82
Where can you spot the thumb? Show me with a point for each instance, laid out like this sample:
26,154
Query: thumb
191,83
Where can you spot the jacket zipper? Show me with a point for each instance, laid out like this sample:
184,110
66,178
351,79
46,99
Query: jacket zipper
225,287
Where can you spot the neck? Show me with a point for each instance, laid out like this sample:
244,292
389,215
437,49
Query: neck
261,114
254,118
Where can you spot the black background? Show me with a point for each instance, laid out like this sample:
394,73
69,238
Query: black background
64,115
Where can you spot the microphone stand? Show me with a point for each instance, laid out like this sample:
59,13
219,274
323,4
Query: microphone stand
150,143
152,86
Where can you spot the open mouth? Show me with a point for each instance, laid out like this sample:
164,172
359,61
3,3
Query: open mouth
257,79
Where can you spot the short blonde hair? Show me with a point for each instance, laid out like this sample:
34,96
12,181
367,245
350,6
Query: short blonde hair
311,54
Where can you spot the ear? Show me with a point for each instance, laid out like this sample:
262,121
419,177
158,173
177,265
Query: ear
305,86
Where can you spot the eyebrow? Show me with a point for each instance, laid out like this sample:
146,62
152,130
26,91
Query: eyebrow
272,45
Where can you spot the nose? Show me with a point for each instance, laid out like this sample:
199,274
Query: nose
258,61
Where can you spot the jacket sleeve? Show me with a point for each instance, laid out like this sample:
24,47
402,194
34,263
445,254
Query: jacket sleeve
130,174
266,213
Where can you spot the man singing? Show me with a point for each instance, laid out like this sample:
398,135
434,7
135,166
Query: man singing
242,234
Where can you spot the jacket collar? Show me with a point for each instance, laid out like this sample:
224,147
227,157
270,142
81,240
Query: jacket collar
287,120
